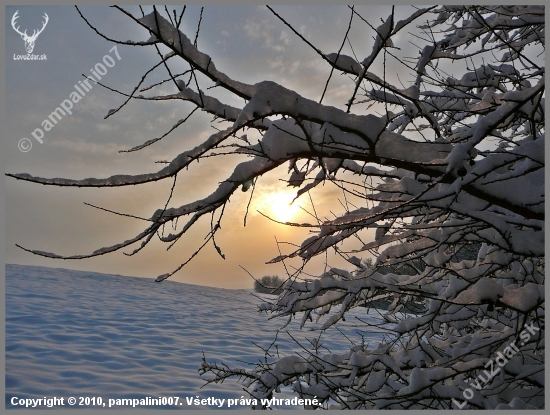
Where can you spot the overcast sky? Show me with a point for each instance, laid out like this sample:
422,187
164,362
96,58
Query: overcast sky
248,43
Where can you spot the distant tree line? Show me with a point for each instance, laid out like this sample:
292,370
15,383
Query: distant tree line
269,284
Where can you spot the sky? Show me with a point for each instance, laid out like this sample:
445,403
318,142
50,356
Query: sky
246,42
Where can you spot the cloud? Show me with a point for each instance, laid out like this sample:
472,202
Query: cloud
252,29
264,30
285,38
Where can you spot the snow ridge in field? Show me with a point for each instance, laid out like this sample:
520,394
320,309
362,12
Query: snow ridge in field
77,333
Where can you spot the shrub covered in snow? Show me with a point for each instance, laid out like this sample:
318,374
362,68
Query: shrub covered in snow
451,163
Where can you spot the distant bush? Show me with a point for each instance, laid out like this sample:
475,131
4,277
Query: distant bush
269,284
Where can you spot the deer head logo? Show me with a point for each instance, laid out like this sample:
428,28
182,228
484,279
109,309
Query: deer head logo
29,40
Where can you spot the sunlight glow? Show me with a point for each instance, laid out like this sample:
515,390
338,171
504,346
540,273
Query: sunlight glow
277,205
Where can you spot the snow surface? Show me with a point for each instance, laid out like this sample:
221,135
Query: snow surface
76,333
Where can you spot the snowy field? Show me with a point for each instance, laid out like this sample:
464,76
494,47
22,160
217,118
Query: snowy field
75,333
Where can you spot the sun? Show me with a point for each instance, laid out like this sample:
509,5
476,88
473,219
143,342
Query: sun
277,205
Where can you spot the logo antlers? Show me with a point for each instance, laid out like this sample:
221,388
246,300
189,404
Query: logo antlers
29,40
